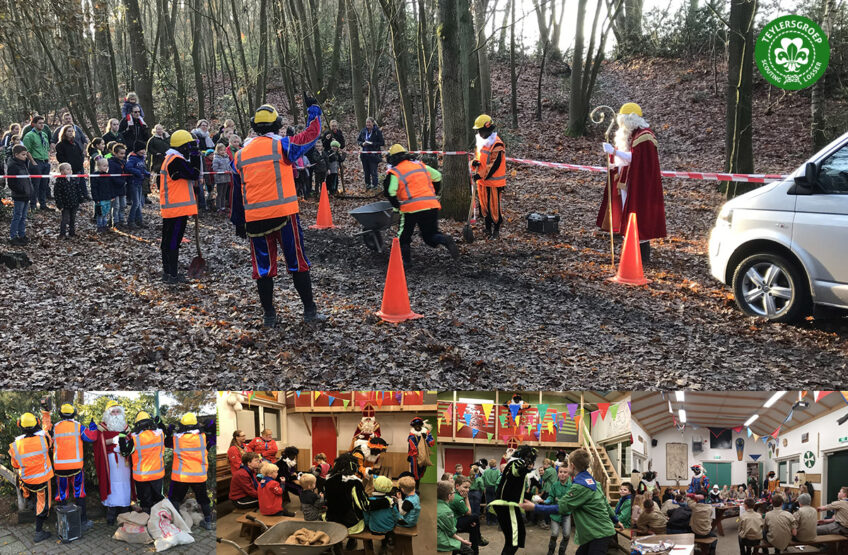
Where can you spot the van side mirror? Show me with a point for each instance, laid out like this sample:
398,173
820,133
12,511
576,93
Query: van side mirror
805,184
811,173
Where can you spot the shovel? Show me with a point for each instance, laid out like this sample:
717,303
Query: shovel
467,232
198,265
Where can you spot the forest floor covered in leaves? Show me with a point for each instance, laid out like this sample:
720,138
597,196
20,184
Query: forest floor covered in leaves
523,311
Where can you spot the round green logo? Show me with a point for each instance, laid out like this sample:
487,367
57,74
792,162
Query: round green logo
792,52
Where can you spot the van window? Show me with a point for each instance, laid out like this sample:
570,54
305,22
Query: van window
833,175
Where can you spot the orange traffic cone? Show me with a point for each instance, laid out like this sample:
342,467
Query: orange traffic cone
395,306
630,267
325,217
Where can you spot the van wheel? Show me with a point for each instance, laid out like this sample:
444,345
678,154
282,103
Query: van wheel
769,286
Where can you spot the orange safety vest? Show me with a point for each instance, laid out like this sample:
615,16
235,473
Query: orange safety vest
32,456
176,196
415,188
147,462
267,180
67,445
190,461
485,157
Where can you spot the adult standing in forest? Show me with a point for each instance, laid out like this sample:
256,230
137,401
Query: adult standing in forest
489,167
69,151
223,135
635,172
79,136
157,146
37,142
269,197
177,202
371,141
133,129
110,131
201,133
333,134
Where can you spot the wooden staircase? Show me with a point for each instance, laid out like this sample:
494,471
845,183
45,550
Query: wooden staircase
602,468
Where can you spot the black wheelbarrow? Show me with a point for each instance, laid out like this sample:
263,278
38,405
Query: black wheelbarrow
374,219
273,539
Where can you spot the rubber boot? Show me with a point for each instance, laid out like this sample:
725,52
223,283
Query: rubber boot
265,285
552,545
488,226
303,285
563,546
111,515
173,265
496,231
450,244
40,535
645,251
86,524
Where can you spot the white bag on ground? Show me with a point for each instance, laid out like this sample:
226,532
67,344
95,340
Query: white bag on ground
133,528
167,527
191,513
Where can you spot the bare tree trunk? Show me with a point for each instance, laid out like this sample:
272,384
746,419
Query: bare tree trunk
196,41
396,15
104,63
456,193
245,72
483,56
740,64
545,46
470,65
513,77
817,97
181,100
506,19
140,64
262,76
355,65
336,55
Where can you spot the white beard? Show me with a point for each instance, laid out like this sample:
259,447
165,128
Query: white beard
482,143
115,419
363,444
627,123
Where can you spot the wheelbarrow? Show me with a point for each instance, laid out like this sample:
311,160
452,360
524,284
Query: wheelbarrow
374,219
273,539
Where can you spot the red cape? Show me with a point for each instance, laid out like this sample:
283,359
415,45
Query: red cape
101,452
644,190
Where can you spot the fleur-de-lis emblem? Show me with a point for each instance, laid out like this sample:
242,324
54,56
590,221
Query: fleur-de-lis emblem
792,54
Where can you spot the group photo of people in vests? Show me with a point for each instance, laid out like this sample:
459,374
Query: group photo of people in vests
107,472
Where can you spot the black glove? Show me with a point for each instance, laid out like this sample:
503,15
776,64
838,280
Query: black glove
195,161
308,100
437,186
476,177
46,403
241,232
475,163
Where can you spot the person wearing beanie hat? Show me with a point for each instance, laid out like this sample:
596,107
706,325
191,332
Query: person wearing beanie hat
637,182
382,514
335,157
413,188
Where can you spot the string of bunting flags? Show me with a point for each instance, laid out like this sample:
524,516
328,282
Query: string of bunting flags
541,421
347,398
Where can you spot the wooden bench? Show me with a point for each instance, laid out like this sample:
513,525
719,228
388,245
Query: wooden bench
830,542
403,539
252,529
703,545
367,542
627,534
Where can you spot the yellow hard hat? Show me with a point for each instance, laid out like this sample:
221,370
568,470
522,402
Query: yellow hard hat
27,420
67,408
396,149
142,415
630,108
483,120
112,403
265,114
189,419
178,139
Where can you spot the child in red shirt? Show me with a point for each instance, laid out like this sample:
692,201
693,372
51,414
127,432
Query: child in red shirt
271,492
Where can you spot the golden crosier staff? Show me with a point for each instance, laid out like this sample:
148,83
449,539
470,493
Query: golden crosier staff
598,116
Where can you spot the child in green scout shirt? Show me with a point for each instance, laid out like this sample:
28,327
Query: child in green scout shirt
560,524
625,503
447,541
491,477
466,521
586,502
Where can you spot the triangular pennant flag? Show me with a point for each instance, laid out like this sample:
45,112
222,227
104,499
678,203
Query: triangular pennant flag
513,410
572,408
628,405
448,414
459,426
577,418
754,457
821,394
789,416
317,394
756,437
468,419
487,410
460,408
474,432
438,423
491,435
517,421
362,405
595,414
543,410
603,407
765,439
776,433
503,421
539,429
345,402
738,429
613,411
720,430
330,398
749,432
844,396
298,393
399,397
379,400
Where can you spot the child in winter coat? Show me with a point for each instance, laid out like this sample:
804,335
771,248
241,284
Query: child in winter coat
101,193
382,515
68,199
130,102
21,187
221,167
270,491
311,502
335,157
119,184
136,166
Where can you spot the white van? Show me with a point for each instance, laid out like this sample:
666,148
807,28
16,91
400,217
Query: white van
784,246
